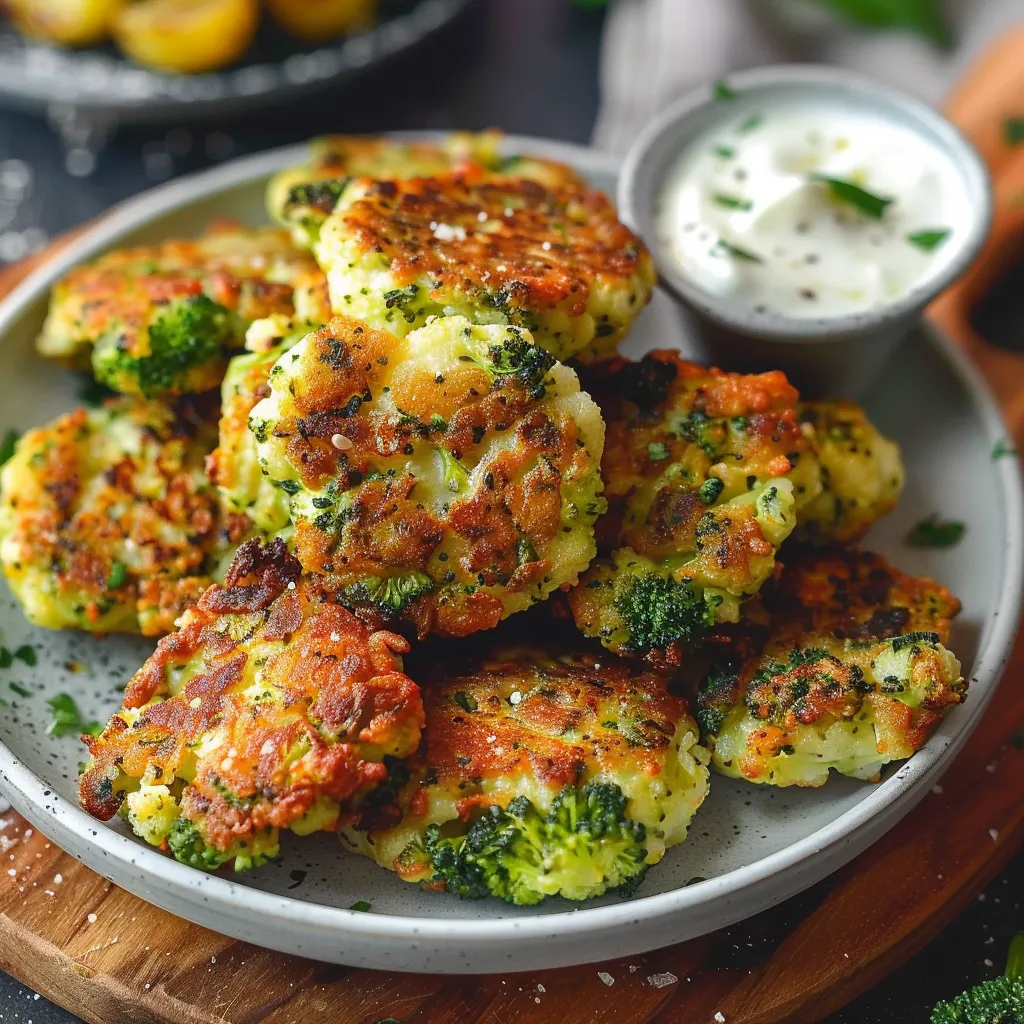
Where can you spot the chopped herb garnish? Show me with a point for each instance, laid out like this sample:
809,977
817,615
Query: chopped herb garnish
935,533
853,195
724,248
1003,448
118,575
361,905
1013,131
924,17
752,122
466,701
733,202
27,654
725,152
65,717
20,690
928,241
723,91
657,452
710,490
6,658
7,445
93,728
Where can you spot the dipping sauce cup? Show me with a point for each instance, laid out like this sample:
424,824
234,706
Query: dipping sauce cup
807,216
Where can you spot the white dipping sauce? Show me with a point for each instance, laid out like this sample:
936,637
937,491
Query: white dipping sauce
746,219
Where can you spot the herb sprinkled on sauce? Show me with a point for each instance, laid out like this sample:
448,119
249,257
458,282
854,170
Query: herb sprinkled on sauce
936,533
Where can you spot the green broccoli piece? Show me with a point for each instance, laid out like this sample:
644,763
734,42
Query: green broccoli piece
189,847
321,196
659,611
997,1001
188,342
456,476
583,847
523,360
392,594
646,383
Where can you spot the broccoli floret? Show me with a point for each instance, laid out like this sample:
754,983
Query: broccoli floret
187,844
517,356
584,846
187,344
659,611
998,1001
646,383
391,595
317,195
454,473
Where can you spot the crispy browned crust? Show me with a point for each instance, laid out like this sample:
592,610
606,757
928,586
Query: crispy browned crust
123,291
388,528
574,714
77,521
645,405
513,242
343,696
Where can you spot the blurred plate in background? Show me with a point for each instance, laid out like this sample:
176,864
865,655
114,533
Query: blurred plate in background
277,68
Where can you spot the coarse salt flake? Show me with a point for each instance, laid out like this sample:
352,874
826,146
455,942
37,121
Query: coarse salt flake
515,697
719,1016
341,442
661,980
291,586
606,977
994,833
91,918
450,232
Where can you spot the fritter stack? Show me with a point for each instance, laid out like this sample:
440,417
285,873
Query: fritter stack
424,432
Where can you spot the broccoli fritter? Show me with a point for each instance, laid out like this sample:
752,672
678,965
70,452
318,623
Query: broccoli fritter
861,472
843,667
301,198
446,480
163,319
107,521
705,473
541,775
271,708
556,261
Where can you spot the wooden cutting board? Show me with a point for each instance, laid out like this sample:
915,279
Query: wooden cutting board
110,957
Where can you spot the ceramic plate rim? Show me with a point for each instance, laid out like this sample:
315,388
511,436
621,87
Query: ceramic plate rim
43,806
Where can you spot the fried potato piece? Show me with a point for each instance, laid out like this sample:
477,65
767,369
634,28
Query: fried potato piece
843,668
446,480
705,473
271,708
557,262
301,198
541,775
316,20
163,319
107,521
861,473
67,22
187,36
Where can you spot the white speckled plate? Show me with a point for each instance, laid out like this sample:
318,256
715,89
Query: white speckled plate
754,846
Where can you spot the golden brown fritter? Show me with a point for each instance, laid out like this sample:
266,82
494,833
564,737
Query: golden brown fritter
272,707
107,521
448,479
843,666
162,319
531,733
556,261
705,474
301,198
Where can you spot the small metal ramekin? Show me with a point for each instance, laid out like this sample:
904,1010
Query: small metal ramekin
832,355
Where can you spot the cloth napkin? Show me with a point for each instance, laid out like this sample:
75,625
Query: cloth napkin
654,51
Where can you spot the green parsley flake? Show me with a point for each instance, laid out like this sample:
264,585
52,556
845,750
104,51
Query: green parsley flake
724,248
853,195
936,533
1013,131
1003,449
361,905
733,202
752,122
65,718
929,241
710,490
725,152
27,654
118,576
722,91
466,701
657,452
6,658
20,690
